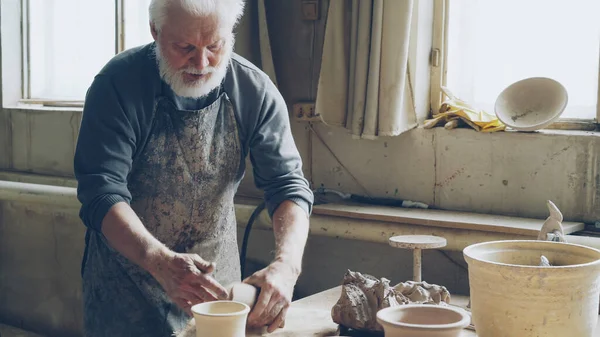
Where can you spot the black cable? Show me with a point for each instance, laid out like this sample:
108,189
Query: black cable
255,214
453,260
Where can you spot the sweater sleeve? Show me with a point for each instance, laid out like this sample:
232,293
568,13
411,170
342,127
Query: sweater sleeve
104,153
275,159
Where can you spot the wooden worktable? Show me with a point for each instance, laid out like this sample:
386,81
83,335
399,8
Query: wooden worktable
311,316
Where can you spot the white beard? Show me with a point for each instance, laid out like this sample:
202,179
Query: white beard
213,76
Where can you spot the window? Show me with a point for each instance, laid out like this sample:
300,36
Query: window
481,47
67,42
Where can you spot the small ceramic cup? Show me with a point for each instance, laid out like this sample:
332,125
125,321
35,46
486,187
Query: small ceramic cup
221,319
423,320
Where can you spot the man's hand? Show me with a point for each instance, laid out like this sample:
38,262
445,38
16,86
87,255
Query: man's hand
186,280
184,277
276,283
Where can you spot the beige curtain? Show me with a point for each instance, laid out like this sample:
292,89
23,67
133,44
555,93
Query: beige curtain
266,55
364,84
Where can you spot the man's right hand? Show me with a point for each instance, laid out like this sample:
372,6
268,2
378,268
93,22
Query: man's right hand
186,279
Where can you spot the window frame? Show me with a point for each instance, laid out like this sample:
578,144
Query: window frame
439,65
25,56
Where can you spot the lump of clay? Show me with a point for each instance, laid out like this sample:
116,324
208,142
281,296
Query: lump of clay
552,229
544,262
364,295
423,292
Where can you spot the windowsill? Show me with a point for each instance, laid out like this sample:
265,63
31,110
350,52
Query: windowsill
38,108
442,218
575,124
570,128
64,103
575,132
543,132
378,224
433,218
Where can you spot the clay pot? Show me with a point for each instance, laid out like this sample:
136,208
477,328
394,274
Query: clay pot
423,320
511,295
221,319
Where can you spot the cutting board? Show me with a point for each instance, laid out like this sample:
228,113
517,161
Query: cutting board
311,316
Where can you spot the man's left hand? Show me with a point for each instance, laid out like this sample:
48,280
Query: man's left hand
276,283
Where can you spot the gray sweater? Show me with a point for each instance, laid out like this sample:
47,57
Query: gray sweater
118,115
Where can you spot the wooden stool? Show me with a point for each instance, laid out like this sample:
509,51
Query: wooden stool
416,243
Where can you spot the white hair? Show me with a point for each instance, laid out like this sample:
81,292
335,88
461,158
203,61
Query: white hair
228,11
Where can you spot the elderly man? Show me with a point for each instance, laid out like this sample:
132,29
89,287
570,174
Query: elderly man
166,129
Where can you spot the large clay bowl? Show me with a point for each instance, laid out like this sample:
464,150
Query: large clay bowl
512,295
423,320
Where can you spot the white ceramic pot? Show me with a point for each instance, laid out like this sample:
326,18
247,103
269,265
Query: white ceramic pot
531,104
422,320
511,295
221,319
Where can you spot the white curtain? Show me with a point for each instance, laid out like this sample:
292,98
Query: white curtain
266,55
365,84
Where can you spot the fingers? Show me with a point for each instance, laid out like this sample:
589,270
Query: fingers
184,305
256,317
197,294
201,278
270,309
203,265
279,321
211,285
190,296
252,279
277,314
186,281
273,308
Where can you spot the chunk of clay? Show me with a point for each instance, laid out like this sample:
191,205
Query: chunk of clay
364,295
552,225
544,262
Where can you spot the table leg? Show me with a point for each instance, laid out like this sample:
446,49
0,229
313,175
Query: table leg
417,265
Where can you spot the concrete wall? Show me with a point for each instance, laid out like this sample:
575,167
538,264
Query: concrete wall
504,173
40,255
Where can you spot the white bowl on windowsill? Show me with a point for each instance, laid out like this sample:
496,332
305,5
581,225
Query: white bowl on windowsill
531,104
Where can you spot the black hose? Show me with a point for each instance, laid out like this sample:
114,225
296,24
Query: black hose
244,249
377,201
